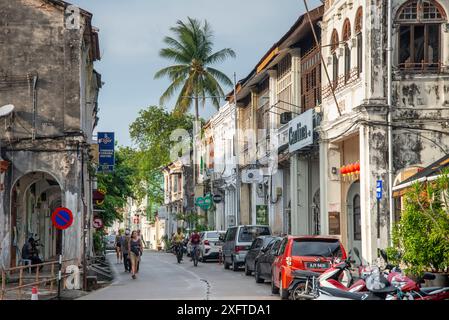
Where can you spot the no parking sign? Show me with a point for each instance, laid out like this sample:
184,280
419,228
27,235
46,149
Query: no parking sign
62,218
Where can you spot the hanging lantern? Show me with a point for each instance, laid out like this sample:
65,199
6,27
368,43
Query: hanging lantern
343,172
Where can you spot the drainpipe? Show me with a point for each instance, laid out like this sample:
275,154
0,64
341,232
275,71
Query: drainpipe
33,133
390,129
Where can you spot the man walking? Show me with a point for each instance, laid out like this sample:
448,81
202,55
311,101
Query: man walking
124,244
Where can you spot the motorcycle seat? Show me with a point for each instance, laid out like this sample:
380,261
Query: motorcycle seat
344,294
305,273
433,290
388,289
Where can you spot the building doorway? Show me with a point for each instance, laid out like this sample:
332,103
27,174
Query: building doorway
354,217
34,197
315,213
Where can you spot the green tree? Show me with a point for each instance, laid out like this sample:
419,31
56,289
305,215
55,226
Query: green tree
152,131
421,237
118,186
191,49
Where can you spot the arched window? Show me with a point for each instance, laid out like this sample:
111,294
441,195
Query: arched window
334,47
420,39
358,33
346,38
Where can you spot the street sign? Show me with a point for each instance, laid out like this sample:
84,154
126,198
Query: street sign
218,198
204,203
379,189
98,223
106,143
62,218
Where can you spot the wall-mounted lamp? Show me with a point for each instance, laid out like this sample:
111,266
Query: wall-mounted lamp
334,170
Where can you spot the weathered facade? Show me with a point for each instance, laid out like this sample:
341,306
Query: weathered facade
178,194
47,52
354,127
281,182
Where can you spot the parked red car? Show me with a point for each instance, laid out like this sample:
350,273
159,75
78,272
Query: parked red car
312,253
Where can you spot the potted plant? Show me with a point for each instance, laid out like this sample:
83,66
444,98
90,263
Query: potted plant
421,237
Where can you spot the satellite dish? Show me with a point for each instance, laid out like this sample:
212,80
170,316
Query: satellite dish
6,110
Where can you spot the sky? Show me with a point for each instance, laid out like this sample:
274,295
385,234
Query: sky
132,32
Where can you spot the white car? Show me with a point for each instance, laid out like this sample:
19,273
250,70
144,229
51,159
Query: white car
210,245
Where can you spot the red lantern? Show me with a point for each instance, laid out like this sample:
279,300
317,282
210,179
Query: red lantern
357,167
343,170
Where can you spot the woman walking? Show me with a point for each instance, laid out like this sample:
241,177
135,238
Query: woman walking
134,249
118,244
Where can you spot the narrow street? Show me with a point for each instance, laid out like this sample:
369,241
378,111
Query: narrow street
161,277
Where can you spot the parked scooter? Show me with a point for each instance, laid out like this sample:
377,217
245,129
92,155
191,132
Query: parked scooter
305,283
407,289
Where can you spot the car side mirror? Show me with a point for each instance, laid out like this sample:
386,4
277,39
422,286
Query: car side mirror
221,238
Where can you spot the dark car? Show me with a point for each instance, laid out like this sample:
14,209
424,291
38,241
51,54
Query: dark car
259,244
265,260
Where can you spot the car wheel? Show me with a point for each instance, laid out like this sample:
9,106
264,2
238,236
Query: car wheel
257,274
235,267
225,264
282,292
274,289
247,271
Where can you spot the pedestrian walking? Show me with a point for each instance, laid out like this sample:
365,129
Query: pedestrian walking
125,250
139,235
134,249
118,248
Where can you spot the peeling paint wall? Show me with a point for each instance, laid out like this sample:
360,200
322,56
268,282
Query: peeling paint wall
47,73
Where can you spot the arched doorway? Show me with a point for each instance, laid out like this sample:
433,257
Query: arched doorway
34,197
354,217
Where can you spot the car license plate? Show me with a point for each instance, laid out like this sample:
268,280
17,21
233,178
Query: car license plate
317,265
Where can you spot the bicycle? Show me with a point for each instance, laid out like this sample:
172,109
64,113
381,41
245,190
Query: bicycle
195,256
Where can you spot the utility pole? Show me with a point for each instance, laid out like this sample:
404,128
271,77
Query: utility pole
390,120
237,157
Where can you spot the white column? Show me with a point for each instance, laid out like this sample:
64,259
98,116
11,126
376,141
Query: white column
324,169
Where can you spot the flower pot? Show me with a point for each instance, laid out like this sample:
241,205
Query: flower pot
441,280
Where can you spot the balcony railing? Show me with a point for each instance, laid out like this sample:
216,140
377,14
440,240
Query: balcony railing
343,82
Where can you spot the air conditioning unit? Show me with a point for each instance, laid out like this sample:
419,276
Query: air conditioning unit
286,117
252,176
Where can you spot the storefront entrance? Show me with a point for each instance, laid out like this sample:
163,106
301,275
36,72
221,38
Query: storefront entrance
33,199
354,217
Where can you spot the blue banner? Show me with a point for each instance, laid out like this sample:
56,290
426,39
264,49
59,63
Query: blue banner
106,145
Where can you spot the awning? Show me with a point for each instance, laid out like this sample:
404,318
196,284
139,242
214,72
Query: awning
430,173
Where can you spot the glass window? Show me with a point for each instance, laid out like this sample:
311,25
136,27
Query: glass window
248,234
357,218
275,246
213,235
347,63
316,247
231,234
282,246
420,35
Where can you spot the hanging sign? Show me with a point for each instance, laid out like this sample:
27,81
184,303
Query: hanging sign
106,144
300,131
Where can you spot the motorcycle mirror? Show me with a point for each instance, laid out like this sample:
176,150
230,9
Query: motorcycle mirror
383,254
428,276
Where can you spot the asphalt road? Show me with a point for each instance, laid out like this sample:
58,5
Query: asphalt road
161,277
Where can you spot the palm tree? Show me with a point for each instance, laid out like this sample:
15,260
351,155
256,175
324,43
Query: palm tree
191,50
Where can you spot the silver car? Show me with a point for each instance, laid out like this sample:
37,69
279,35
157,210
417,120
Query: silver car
237,242
110,242
210,245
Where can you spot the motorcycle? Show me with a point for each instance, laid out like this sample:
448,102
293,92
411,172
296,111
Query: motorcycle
409,289
305,283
